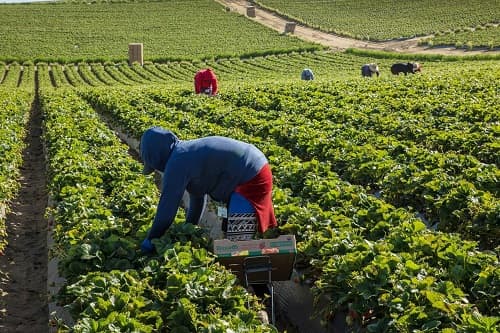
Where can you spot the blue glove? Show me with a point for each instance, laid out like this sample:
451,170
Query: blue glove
147,246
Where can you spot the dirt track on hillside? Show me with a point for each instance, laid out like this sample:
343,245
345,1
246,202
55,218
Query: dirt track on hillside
335,42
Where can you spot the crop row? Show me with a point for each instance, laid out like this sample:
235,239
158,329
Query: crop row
289,66
456,192
363,252
380,142
440,113
14,115
481,36
18,76
102,206
326,66
452,189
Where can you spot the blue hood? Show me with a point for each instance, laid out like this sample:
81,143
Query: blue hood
156,146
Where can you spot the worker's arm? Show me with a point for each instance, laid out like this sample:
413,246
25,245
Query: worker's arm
197,84
214,86
196,206
170,199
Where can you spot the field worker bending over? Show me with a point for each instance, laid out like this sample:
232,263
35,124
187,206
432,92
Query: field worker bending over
216,166
307,74
369,69
205,82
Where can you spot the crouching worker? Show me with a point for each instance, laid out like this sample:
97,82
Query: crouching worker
368,70
205,82
220,167
307,74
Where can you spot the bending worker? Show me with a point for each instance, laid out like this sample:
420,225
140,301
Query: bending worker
205,82
215,166
369,70
307,74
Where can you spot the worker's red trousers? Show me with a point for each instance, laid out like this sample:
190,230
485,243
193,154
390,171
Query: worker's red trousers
258,191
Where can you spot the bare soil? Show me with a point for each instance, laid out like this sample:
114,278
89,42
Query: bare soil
277,22
24,304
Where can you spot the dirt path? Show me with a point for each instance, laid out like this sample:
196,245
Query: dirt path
332,41
24,263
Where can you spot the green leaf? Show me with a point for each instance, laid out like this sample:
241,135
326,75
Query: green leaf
437,300
412,265
431,325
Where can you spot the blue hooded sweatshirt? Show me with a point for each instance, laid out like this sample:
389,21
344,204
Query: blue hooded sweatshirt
212,165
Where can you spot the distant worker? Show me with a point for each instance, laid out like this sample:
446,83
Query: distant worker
369,69
222,168
205,82
307,74
409,67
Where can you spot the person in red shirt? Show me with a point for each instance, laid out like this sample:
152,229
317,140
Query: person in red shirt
205,82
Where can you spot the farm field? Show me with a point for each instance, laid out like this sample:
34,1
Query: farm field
71,32
389,183
285,67
383,20
280,68
268,113
482,36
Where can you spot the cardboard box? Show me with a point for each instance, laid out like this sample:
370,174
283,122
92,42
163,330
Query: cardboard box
281,253
135,53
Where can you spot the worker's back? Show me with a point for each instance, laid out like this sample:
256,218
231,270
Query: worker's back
205,81
307,74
